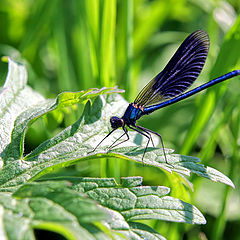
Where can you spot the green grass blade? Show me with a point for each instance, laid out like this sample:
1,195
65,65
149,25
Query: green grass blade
66,77
107,54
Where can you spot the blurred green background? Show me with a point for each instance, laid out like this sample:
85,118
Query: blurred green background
79,44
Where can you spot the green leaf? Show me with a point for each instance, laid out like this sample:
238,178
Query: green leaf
138,202
17,111
58,193
144,231
56,207
14,100
50,206
74,143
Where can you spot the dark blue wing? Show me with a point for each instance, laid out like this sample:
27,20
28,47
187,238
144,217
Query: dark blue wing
180,72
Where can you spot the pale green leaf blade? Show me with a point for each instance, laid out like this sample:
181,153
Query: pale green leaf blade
76,142
144,231
51,206
20,106
129,230
14,100
138,202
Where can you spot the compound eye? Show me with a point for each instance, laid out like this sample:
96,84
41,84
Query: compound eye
116,122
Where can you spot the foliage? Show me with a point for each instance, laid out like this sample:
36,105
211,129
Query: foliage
64,206
84,44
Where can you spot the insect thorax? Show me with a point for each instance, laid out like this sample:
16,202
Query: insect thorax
132,113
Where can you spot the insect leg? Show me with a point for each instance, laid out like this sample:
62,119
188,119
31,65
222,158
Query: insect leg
102,140
125,133
148,130
144,133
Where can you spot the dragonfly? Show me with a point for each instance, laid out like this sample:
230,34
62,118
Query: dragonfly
167,87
